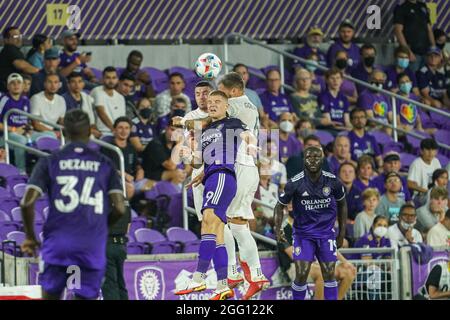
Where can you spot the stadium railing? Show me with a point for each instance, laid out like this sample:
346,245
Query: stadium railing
283,54
9,142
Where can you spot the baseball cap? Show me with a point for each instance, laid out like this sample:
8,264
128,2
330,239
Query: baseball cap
69,33
51,53
434,50
315,30
390,175
14,76
391,157
347,23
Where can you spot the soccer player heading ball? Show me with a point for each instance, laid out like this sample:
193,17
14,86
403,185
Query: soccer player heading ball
317,198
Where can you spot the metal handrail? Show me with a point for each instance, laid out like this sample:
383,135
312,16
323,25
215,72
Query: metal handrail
30,116
292,56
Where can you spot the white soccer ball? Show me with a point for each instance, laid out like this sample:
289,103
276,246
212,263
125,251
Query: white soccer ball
208,66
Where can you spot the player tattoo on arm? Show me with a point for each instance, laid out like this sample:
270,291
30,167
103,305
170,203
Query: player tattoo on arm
342,218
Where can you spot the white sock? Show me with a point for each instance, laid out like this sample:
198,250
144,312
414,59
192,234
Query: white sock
247,247
231,250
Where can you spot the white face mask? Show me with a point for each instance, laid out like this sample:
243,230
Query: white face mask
380,231
286,126
406,225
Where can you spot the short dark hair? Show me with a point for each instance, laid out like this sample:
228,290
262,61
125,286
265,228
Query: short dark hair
73,75
378,218
355,110
401,49
232,80
26,76
219,93
76,123
202,84
332,72
407,205
367,46
122,119
239,65
109,69
428,144
346,163
135,53
176,74
436,175
7,30
127,76
311,137
401,76
47,75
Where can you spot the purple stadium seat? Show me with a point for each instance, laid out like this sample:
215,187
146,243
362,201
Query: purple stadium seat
17,236
8,204
47,144
189,241
136,248
175,210
324,136
382,137
92,145
14,180
440,121
134,214
41,237
97,72
4,216
393,147
162,187
135,225
19,190
158,242
16,214
442,159
4,194
7,170
255,82
406,160
415,142
160,80
6,228
45,213
442,136
38,226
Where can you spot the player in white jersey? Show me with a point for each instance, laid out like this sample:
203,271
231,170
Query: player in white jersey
247,176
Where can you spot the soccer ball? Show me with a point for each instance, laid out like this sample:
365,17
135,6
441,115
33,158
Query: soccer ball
208,66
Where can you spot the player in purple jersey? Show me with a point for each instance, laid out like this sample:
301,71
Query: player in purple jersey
219,144
77,180
317,197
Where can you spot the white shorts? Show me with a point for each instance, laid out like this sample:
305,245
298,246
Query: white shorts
247,178
197,193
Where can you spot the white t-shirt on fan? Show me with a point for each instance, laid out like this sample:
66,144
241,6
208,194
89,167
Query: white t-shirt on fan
114,106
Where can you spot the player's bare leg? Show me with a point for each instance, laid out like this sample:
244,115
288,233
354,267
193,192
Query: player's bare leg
299,285
345,274
330,290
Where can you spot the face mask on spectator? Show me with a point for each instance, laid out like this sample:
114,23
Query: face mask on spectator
406,225
403,62
178,113
406,87
440,45
341,63
376,84
145,113
305,132
313,66
286,126
380,231
369,61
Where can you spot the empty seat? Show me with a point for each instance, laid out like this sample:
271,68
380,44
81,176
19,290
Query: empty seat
7,170
324,136
47,144
19,190
188,240
159,244
136,248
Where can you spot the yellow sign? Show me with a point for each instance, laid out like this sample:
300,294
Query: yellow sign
432,6
57,14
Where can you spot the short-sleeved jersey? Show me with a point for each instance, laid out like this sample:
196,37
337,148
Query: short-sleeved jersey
144,131
219,144
378,103
314,204
275,105
7,103
436,82
337,106
78,181
363,145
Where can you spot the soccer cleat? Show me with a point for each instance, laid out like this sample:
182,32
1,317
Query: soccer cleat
223,294
246,269
192,286
260,284
235,281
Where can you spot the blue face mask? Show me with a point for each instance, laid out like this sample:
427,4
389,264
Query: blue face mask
403,62
406,87
312,67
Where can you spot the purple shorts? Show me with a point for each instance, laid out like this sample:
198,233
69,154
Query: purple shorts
220,189
54,280
306,249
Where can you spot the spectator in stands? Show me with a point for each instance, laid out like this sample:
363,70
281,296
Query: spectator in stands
431,79
26,85
51,62
377,237
341,154
303,128
156,158
17,124
348,87
434,211
441,39
177,109
392,163
365,173
295,164
421,169
270,158
109,104
313,41
288,144
345,43
12,59
376,104
303,101
347,174
164,99
412,28
125,87
408,115
48,105
364,219
274,102
401,66
134,174
142,131
318,81
73,61
440,233
390,201
366,66
360,141
439,179
2,153
333,103
143,86
251,94
40,44
75,98
403,232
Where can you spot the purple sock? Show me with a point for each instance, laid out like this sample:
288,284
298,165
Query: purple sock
206,252
330,290
221,262
299,291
